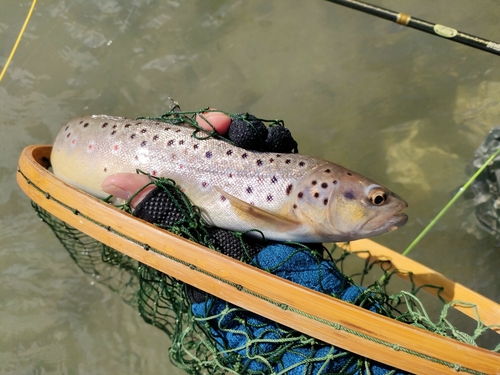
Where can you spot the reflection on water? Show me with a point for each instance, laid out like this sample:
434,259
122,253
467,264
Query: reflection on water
405,108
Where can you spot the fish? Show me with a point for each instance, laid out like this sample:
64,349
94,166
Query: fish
285,196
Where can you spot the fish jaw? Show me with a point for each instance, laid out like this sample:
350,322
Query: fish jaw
362,208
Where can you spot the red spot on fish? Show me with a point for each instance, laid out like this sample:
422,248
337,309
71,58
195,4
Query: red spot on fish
154,173
116,147
73,141
230,175
90,147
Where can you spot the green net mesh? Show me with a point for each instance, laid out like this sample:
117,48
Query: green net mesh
199,348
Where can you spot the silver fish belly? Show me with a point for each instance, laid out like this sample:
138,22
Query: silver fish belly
286,196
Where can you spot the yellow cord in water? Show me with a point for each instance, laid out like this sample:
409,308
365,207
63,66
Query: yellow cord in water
18,40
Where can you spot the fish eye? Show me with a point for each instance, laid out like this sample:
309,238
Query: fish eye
378,197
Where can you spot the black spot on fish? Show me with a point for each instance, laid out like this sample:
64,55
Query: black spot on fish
208,154
178,130
230,175
300,195
167,128
327,170
170,142
115,126
289,189
325,201
335,182
138,123
132,136
155,137
324,185
127,125
244,156
271,160
229,152
105,169
314,182
349,173
287,161
195,146
181,142
86,124
113,132
136,157
204,184
143,130
68,135
104,125
278,155
259,162
269,198
349,195
301,164
144,143
222,198
316,195
294,206
274,180
249,190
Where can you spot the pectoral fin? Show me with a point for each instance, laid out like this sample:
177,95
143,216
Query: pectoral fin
258,217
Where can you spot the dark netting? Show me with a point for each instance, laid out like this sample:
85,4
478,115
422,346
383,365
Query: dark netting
212,336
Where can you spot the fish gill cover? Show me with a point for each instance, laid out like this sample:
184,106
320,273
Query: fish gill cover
212,336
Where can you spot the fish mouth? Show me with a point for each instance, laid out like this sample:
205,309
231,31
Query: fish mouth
397,221
394,222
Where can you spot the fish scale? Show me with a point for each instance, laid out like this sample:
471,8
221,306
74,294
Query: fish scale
286,196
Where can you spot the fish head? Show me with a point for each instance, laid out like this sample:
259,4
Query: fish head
347,206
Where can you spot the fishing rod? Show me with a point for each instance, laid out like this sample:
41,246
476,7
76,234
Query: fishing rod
428,27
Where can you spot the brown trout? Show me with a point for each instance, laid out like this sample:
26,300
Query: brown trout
286,196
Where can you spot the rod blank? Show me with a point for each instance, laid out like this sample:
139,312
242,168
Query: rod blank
422,25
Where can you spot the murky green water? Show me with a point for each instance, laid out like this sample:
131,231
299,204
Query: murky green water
403,107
